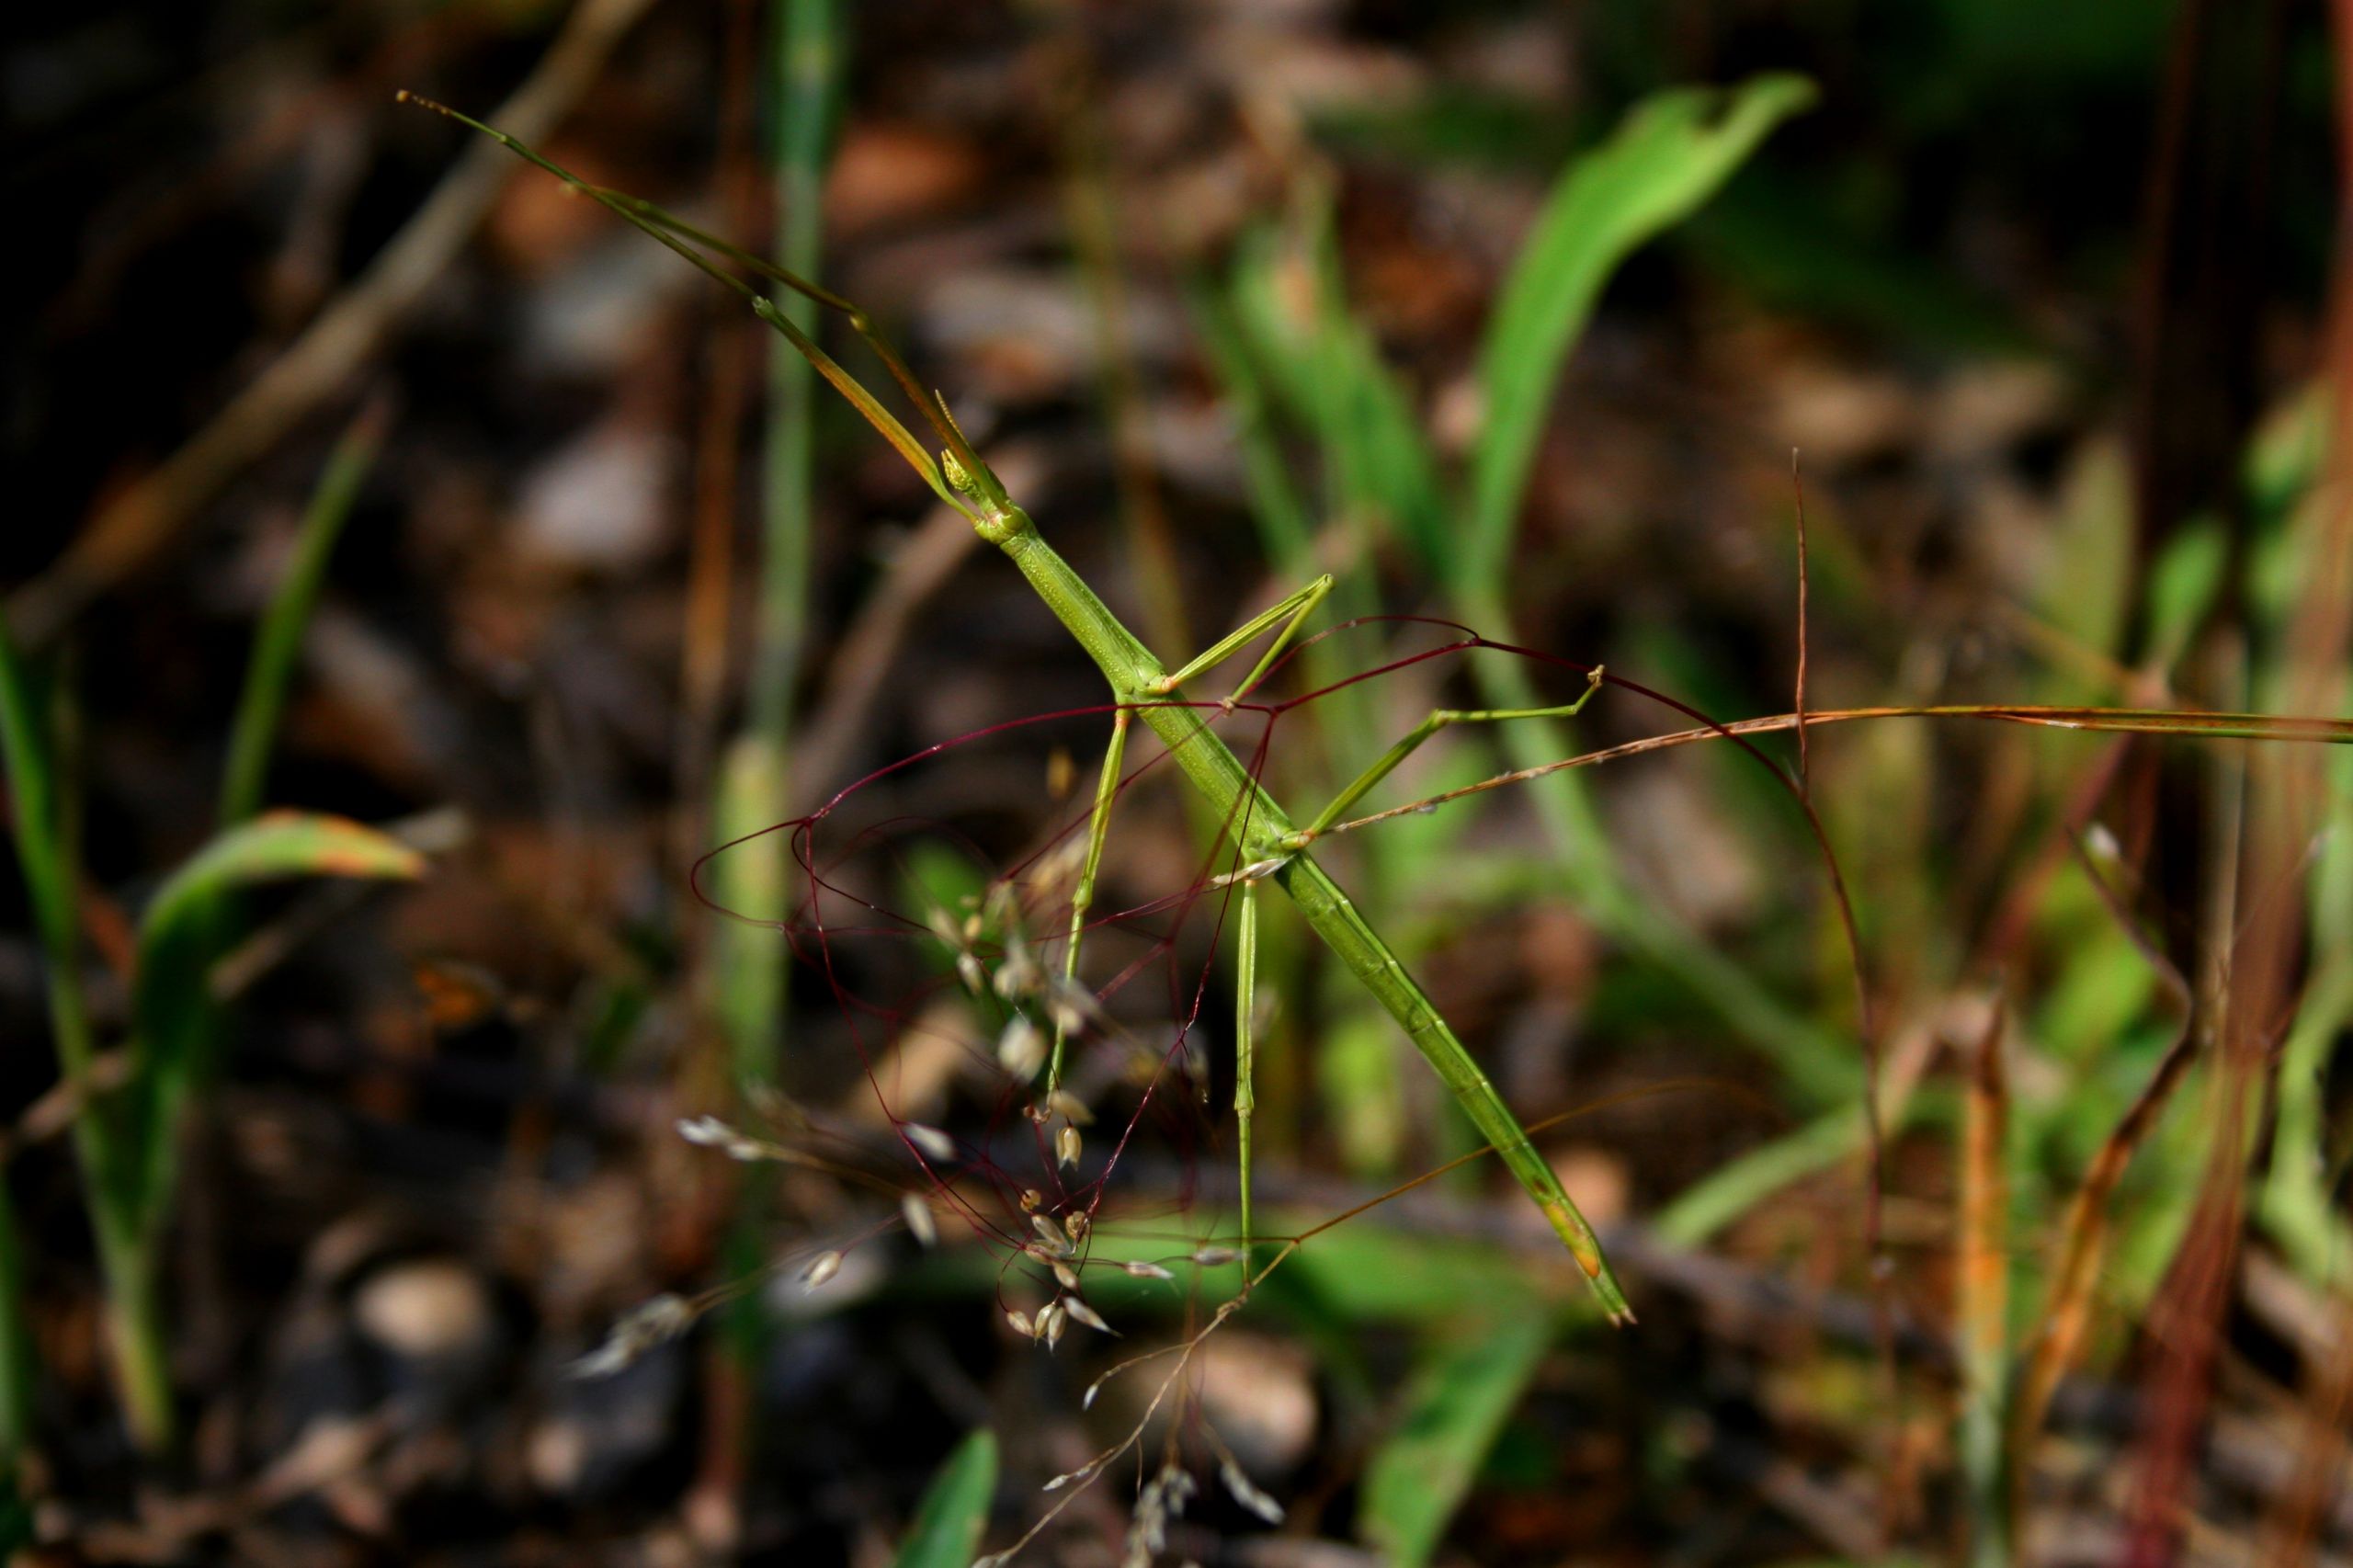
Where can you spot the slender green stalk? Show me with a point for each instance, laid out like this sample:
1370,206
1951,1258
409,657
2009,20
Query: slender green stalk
46,863
255,729
15,1348
755,773
1245,1003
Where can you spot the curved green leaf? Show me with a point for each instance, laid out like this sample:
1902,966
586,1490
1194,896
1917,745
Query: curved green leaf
955,1508
1456,1402
272,848
179,937
1669,155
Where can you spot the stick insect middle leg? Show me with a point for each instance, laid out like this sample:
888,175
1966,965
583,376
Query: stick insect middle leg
1440,719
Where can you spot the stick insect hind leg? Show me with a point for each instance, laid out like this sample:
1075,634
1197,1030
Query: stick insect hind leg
1440,719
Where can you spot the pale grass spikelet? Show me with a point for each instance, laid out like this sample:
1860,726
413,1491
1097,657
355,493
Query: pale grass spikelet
969,970
1162,1498
1068,1008
1139,1268
2099,842
933,1144
1079,1311
921,1225
1215,1257
1019,975
1052,1322
643,1326
1066,1276
1074,1225
1067,1146
1050,1235
709,1132
1070,1108
1020,1321
1021,1049
1031,1199
1246,1495
822,1267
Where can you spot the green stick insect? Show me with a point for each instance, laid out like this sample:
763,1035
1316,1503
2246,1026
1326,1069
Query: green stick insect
1269,846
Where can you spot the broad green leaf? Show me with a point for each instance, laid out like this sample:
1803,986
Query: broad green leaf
1465,1386
1668,155
955,1508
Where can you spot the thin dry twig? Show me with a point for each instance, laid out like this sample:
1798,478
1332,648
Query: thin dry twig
137,523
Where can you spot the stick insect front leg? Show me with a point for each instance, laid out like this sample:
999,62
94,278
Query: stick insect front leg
1290,613
1438,720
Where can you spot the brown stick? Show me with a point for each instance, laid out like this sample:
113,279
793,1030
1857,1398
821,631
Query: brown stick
136,524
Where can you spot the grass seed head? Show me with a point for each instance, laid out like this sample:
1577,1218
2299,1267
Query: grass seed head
1070,1108
1067,1146
1080,1312
1020,1321
823,1266
1143,1270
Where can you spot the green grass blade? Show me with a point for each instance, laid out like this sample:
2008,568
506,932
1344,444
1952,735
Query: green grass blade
35,821
172,1005
254,729
1668,156
1465,1386
15,1348
1293,318
46,861
955,1508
